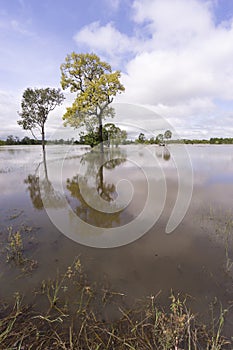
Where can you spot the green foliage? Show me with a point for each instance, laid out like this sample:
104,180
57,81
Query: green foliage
91,138
221,140
112,134
159,138
115,135
141,138
36,105
95,86
167,134
12,140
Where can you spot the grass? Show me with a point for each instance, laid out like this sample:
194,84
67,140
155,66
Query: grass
73,323
71,313
15,252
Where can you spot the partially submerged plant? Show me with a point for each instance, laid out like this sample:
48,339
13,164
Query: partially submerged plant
145,326
15,247
15,251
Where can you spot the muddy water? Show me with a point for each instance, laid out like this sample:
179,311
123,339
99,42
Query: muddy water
34,192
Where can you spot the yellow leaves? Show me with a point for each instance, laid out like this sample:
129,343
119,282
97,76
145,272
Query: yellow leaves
95,85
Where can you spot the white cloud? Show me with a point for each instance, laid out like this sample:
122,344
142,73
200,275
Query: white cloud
182,61
9,105
187,57
107,41
174,21
178,62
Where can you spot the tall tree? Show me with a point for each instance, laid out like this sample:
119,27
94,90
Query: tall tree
95,86
36,105
167,134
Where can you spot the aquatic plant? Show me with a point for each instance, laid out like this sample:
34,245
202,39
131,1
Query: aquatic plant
15,251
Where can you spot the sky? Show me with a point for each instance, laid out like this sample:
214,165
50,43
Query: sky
176,59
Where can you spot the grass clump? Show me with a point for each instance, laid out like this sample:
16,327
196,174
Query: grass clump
15,251
15,247
74,318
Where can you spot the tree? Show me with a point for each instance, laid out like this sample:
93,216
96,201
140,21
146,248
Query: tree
167,135
141,138
159,138
36,105
26,141
11,140
95,86
91,138
110,133
114,134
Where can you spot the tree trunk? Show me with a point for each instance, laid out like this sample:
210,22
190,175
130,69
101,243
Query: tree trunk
43,138
101,134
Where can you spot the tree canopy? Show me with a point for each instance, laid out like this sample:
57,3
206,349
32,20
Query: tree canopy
95,86
168,134
112,135
35,106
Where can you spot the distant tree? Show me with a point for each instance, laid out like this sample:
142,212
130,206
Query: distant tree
111,133
152,140
12,140
159,138
26,141
115,135
91,138
141,138
95,85
36,105
167,135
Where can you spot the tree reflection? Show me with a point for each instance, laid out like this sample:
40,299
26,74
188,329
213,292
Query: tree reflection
93,179
166,154
42,192
163,152
34,189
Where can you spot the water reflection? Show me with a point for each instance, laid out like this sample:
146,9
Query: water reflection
190,260
95,180
163,152
39,186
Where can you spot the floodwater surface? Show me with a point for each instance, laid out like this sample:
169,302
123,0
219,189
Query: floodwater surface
112,210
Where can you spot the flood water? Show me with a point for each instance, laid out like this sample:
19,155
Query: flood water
86,210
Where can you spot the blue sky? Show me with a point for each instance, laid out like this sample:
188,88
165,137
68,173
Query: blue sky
176,57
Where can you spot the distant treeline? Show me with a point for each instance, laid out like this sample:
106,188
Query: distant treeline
212,141
14,140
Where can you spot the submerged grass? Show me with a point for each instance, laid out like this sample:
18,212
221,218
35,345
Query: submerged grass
15,251
73,319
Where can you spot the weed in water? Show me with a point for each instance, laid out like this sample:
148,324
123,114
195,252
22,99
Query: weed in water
15,252
144,326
